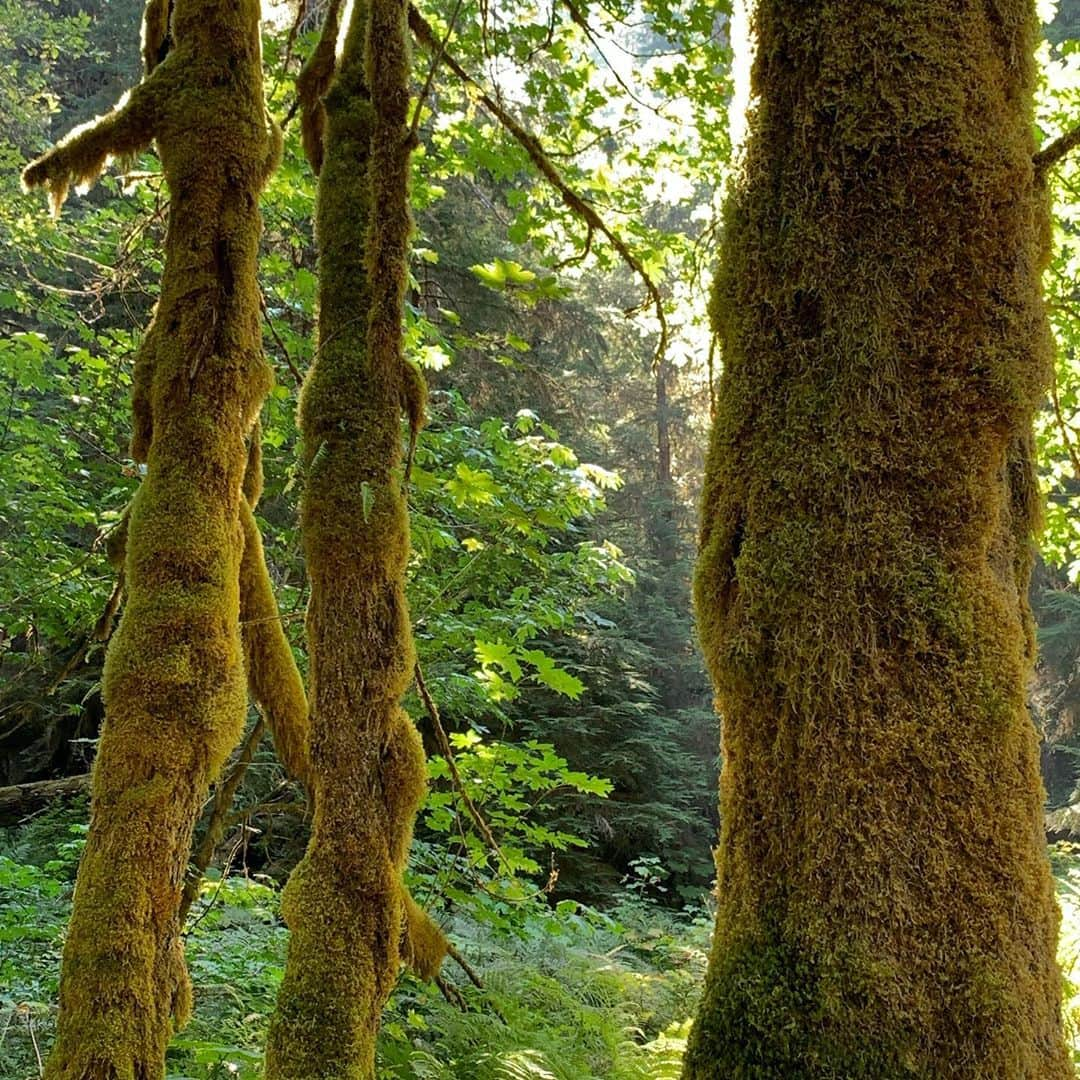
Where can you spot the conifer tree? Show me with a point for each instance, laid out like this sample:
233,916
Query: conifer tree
352,923
885,907
174,680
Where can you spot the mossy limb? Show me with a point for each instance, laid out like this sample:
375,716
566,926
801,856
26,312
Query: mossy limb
313,82
273,678
423,944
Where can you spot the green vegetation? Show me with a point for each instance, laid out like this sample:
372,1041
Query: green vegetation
583,994
531,547
569,992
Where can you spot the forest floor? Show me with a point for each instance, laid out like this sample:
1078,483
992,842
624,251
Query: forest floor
570,993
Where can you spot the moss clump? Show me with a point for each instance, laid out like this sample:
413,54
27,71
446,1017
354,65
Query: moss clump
884,902
352,923
174,680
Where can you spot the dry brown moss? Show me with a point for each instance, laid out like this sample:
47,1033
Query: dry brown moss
155,33
885,904
352,923
174,680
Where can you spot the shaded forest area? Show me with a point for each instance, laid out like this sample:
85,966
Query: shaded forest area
565,842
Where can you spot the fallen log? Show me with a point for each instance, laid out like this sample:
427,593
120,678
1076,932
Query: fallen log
18,800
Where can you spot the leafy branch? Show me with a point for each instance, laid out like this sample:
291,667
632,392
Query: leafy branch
430,42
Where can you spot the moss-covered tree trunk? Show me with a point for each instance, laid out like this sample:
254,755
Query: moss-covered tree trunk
352,923
885,908
174,681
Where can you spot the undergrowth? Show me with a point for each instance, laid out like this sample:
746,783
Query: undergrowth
569,992
1065,860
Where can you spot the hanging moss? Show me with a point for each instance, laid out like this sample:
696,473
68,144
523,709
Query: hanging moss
885,907
273,679
312,84
352,923
174,679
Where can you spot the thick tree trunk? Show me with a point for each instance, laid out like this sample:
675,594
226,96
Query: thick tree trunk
885,907
174,680
351,921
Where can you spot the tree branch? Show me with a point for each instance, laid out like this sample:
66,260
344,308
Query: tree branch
448,753
274,680
429,41
80,157
1051,154
436,57
215,827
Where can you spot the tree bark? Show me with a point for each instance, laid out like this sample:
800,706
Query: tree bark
174,678
885,906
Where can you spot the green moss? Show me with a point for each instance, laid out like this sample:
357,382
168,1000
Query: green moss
884,901
273,679
773,1018
352,923
174,679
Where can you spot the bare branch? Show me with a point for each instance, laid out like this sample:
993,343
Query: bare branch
436,57
215,827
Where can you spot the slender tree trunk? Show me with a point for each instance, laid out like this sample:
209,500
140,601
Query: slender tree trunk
351,922
665,539
174,675
663,425
885,907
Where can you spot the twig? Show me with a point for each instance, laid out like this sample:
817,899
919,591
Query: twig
33,1040
223,799
220,885
277,338
414,127
448,753
58,580
299,809
1074,457
582,255
293,109
462,963
290,41
102,632
451,993
578,18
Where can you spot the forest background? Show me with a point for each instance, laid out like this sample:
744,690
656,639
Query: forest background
552,506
